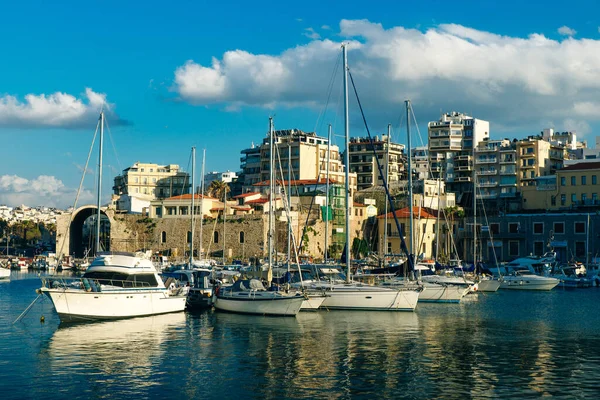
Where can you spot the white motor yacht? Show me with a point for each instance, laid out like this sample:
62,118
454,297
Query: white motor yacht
4,274
118,285
523,280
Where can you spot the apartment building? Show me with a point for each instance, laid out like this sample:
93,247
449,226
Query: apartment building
495,171
153,180
391,156
452,141
420,162
299,156
537,157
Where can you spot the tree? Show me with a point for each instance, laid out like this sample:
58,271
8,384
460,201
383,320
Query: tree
218,189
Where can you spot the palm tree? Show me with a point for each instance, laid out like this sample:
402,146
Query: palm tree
218,189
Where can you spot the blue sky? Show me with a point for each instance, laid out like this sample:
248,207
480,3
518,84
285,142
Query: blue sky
209,74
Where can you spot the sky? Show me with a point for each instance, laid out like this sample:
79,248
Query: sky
177,74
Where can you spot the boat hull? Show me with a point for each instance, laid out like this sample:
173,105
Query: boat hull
199,299
488,285
528,283
313,302
442,293
259,304
361,298
78,305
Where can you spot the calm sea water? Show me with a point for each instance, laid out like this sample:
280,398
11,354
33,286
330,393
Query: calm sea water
505,344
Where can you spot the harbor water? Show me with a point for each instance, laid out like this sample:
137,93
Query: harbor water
509,344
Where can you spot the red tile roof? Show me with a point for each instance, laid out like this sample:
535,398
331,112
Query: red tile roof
241,196
358,205
297,182
257,201
404,213
188,196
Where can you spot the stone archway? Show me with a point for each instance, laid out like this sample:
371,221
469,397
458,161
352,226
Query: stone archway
79,231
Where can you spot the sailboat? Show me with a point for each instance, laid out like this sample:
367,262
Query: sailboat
357,296
115,285
249,296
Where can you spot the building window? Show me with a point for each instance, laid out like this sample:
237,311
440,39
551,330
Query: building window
573,181
583,180
579,227
158,211
389,247
163,237
242,237
538,248
563,181
573,198
513,227
553,200
538,228
563,199
594,181
559,227
580,249
594,198
583,198
513,248
189,237
216,237
495,228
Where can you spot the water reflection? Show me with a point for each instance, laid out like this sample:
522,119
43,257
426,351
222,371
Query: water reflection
502,345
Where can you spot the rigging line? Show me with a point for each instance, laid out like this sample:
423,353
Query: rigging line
329,91
113,144
417,126
385,184
80,186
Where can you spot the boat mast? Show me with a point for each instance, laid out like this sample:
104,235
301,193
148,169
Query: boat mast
437,222
99,181
387,179
410,186
193,209
474,215
289,201
587,243
202,200
271,190
224,216
347,161
327,196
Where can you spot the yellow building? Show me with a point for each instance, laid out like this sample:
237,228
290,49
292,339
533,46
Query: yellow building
156,181
575,186
423,234
537,157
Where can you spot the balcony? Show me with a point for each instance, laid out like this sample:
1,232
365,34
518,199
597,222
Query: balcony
506,195
508,184
488,172
527,166
527,155
488,184
491,160
507,160
462,168
463,158
487,195
463,179
486,150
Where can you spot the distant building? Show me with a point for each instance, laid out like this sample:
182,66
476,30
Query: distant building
420,162
146,181
363,162
308,160
226,177
452,141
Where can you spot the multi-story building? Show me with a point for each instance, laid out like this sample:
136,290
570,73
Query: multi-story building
306,153
575,187
362,161
452,141
420,162
495,173
537,157
227,177
153,180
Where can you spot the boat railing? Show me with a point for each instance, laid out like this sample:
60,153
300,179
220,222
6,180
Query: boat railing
91,285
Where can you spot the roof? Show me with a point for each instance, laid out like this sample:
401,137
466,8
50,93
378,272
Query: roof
359,205
582,166
297,182
188,196
404,213
241,208
241,196
257,201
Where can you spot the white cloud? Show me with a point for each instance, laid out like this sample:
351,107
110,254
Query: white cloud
328,28
514,82
56,110
566,31
311,34
43,190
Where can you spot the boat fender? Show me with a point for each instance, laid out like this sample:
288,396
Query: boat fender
217,289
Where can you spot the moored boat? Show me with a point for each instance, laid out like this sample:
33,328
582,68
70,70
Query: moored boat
119,285
527,281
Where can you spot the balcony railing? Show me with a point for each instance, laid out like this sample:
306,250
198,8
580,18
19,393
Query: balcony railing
488,172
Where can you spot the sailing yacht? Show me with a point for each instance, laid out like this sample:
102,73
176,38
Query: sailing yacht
250,296
115,285
350,295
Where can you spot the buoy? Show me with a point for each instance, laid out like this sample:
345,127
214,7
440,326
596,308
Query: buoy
42,319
